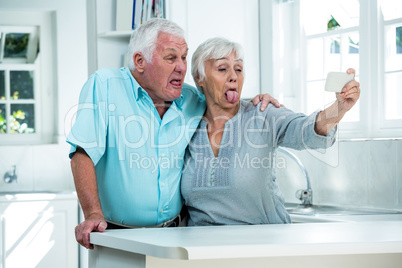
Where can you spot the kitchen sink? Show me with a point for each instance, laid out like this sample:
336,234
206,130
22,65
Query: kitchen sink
317,210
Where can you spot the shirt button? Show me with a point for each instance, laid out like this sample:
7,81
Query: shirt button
143,97
163,155
163,184
161,210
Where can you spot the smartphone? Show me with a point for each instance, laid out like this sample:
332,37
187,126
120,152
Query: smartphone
337,80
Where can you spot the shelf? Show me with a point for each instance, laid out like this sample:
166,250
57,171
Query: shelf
116,34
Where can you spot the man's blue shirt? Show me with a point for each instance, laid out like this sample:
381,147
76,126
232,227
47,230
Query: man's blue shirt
138,156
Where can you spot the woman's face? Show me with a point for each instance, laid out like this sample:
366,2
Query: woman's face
224,81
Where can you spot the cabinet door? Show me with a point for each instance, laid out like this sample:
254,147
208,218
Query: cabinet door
37,234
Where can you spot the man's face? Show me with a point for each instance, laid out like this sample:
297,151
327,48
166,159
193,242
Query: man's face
165,75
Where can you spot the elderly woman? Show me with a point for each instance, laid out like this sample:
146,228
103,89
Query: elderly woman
229,177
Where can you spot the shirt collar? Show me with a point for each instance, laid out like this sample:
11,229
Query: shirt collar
137,89
179,100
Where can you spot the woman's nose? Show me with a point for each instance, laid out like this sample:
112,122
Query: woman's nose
232,76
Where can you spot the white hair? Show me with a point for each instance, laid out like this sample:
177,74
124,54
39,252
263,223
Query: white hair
143,39
213,48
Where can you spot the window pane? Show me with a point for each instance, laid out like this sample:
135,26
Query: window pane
315,59
22,118
340,14
335,47
399,40
393,58
332,54
21,84
3,122
315,96
393,96
16,45
351,57
354,43
391,9
2,85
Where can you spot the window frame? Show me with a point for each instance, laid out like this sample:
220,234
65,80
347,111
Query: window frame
45,87
35,67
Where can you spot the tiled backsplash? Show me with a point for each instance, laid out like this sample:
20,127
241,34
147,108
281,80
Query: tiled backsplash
351,173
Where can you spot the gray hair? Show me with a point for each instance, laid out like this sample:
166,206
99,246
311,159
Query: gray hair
143,39
213,48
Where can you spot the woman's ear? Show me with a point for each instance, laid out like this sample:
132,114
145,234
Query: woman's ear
198,81
139,62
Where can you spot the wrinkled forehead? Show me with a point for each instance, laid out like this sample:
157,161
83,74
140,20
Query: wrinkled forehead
225,54
232,56
166,41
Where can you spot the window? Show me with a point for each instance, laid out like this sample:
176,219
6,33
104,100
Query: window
26,78
364,35
391,15
331,38
18,72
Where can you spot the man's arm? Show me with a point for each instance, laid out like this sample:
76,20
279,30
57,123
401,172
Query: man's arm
87,190
331,116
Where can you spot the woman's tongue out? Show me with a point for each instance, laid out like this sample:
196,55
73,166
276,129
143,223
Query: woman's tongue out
232,96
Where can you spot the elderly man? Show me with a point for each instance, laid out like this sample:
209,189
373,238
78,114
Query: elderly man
130,135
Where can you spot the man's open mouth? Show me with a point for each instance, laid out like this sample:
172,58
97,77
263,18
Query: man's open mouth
176,82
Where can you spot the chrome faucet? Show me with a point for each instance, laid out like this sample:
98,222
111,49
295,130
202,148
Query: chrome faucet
11,176
305,195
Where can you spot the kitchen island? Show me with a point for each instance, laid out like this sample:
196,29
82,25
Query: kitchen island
340,244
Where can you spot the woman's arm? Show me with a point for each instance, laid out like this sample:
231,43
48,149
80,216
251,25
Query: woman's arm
330,117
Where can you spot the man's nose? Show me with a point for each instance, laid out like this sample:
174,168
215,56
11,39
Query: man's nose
181,66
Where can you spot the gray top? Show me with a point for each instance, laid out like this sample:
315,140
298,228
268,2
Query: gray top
238,186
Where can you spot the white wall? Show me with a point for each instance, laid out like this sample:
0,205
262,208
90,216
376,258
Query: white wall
46,167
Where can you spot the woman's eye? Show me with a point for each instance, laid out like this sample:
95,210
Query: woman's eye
221,69
239,70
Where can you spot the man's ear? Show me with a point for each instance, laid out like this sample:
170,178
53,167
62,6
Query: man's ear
139,62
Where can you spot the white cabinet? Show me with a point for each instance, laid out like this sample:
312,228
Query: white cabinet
37,230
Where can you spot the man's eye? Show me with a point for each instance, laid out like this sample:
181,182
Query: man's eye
239,70
222,69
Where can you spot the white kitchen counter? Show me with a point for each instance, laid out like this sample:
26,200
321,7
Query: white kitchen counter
249,242
345,218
